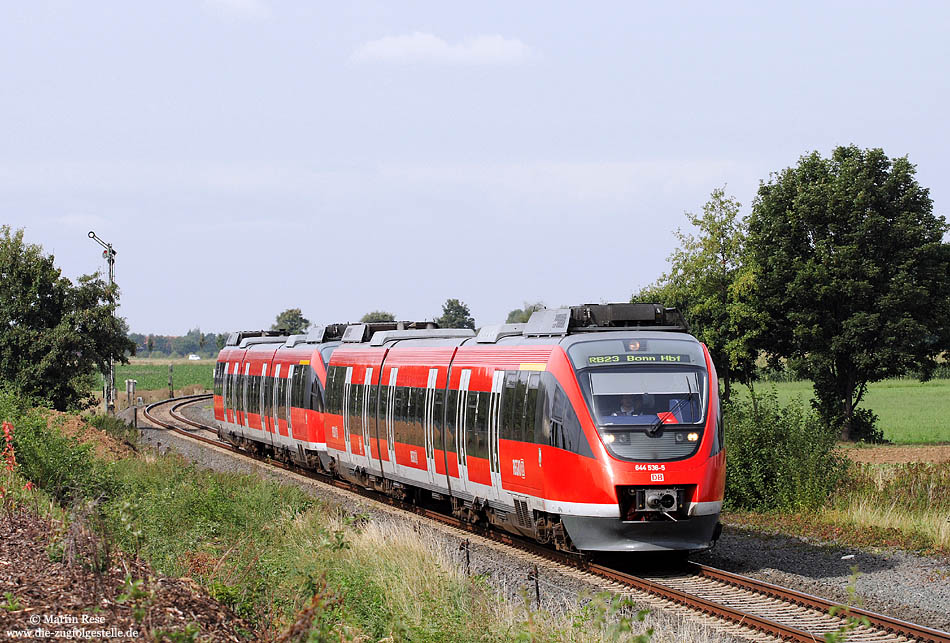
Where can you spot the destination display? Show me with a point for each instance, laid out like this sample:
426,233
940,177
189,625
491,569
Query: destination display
638,358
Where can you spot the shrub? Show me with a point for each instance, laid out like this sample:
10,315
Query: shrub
864,427
780,458
63,467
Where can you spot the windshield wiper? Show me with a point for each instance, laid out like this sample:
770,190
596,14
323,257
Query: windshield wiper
655,427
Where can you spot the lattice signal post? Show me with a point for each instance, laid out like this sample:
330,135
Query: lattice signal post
108,253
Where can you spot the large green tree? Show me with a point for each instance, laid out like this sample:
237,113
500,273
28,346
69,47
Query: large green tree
706,282
377,316
54,334
292,321
455,314
852,274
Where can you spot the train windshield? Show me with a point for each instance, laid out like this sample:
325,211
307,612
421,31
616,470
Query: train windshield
642,382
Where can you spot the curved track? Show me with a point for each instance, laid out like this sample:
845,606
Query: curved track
757,605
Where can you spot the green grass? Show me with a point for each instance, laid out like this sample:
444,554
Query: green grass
154,376
910,412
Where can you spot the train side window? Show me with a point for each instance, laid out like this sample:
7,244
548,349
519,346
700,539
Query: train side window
477,423
418,415
281,410
471,429
334,388
531,408
400,407
438,412
451,410
251,398
512,408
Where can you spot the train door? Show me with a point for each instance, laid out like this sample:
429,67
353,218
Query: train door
226,392
275,406
347,385
358,427
428,423
369,410
238,398
288,390
231,372
390,466
494,428
264,406
244,407
460,429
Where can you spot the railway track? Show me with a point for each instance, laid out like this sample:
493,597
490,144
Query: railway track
758,606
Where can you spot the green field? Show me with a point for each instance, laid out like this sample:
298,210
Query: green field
910,412
152,375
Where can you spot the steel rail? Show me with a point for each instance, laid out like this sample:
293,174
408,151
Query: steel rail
820,606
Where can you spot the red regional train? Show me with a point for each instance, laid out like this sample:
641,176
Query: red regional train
595,428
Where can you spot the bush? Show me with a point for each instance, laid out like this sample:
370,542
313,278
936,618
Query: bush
864,427
60,465
780,458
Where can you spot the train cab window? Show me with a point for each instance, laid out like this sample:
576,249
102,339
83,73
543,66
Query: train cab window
642,395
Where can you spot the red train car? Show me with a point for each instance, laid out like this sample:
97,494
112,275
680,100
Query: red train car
595,428
269,392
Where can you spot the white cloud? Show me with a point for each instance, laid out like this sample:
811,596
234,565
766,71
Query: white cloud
239,8
426,48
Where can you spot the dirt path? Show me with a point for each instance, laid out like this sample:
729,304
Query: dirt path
895,454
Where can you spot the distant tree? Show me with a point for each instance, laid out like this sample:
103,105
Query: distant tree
522,315
377,316
852,276
455,314
293,321
54,334
220,340
150,345
705,282
139,340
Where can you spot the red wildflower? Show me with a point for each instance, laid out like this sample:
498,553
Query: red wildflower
28,486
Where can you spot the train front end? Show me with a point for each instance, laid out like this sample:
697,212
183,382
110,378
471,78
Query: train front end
651,394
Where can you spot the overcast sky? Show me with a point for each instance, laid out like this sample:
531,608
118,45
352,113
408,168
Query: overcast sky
247,156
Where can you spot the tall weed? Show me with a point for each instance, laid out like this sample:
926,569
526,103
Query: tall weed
780,457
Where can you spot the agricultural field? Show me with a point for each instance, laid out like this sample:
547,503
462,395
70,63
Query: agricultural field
152,374
909,411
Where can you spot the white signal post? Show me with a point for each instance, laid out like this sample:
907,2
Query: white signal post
108,254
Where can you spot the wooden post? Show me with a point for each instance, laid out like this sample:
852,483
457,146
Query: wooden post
171,388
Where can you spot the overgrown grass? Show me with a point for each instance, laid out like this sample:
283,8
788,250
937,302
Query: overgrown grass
265,549
909,411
